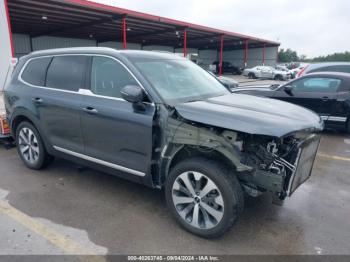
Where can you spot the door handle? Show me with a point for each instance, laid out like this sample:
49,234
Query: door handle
325,98
37,100
90,110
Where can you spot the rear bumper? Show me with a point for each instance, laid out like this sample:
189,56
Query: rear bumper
307,150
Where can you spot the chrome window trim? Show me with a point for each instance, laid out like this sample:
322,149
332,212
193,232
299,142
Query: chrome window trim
80,90
99,161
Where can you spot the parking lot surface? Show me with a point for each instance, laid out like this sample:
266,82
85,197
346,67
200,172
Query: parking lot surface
65,210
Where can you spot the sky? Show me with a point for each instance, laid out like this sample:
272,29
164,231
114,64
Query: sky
310,27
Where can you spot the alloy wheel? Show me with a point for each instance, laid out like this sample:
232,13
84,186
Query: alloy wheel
198,200
28,145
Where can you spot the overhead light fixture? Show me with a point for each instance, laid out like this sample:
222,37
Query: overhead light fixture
176,32
128,29
143,41
91,36
211,40
44,17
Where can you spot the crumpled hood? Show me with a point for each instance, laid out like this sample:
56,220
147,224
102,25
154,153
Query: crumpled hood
251,114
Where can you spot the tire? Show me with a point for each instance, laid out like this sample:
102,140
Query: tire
30,146
217,209
278,77
251,76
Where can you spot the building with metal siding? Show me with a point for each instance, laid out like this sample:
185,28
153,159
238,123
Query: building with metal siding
37,25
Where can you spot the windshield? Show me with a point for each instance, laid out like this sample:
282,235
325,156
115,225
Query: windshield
180,80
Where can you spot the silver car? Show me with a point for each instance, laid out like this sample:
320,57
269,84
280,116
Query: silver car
267,72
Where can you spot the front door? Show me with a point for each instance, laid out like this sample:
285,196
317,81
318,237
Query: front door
115,134
316,93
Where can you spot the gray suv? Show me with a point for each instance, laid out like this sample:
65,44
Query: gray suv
160,120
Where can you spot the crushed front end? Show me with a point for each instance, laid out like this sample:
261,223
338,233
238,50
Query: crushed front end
280,165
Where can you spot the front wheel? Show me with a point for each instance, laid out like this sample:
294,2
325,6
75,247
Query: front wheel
204,196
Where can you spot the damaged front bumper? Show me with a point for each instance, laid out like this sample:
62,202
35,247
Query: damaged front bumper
307,150
293,173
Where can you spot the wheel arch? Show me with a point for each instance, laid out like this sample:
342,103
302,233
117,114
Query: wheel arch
188,151
20,116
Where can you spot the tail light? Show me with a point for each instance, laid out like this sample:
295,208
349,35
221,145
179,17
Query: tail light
4,125
301,72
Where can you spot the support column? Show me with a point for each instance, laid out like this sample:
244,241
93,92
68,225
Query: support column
221,53
185,43
263,54
9,27
124,32
245,53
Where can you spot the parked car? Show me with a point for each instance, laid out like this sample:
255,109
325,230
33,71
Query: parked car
267,72
297,69
325,67
285,69
160,120
327,94
228,67
228,82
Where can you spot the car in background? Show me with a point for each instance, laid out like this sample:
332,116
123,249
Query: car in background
227,67
326,93
228,82
297,69
267,72
285,69
325,67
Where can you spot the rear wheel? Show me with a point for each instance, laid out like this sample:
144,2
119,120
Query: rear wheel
278,77
30,146
204,196
251,75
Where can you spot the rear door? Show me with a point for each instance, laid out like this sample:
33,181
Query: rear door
56,98
115,133
266,72
316,93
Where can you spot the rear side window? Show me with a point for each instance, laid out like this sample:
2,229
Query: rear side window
35,71
66,72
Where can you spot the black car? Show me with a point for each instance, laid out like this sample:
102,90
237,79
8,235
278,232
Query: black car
228,82
327,94
228,67
160,120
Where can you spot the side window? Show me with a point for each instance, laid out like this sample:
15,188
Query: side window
35,71
322,85
108,77
66,72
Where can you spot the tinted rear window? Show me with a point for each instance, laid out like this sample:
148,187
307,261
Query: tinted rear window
35,71
66,72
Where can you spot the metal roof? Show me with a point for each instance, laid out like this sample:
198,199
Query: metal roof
90,20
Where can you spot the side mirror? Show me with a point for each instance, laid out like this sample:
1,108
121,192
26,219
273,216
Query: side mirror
133,94
289,90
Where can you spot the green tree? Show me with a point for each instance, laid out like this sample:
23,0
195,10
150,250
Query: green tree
287,55
336,57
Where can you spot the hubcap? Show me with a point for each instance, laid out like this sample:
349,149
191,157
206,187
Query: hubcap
198,200
28,145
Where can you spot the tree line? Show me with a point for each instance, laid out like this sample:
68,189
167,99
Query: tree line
288,55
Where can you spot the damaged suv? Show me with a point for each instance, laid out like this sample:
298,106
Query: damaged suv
160,120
